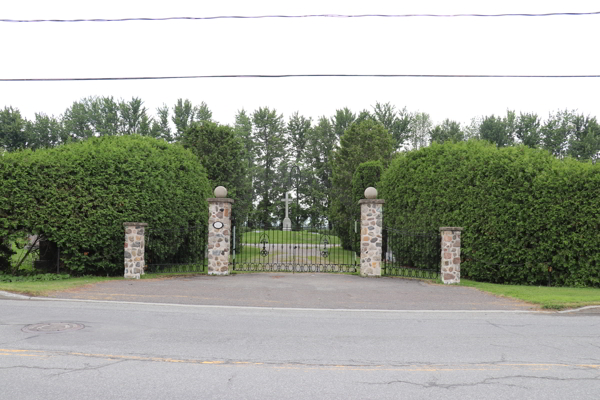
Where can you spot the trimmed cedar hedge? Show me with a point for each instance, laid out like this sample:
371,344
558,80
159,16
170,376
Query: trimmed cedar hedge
527,216
78,195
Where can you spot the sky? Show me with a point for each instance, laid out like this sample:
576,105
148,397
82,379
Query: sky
509,45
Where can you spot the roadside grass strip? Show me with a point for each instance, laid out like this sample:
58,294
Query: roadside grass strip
43,288
552,298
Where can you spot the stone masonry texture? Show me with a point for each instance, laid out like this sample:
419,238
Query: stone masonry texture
219,245
134,249
450,254
371,239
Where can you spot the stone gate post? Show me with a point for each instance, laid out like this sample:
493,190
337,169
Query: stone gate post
371,229
219,231
134,249
450,254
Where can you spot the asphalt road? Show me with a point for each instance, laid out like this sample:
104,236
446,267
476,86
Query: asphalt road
297,291
153,351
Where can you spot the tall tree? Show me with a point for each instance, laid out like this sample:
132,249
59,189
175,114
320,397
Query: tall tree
298,127
447,131
584,143
103,115
365,141
270,152
556,132
203,113
12,130
222,153
527,129
134,117
420,125
397,122
44,132
342,119
183,116
76,121
160,125
320,146
498,130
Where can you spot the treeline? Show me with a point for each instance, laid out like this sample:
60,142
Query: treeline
271,154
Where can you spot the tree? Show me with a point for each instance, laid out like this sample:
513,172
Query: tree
556,132
527,130
221,152
447,131
269,149
498,130
103,115
396,122
183,116
321,144
160,126
584,142
76,122
12,130
342,119
133,117
203,113
365,141
420,125
298,127
44,132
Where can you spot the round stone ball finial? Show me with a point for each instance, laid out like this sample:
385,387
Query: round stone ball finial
220,192
370,193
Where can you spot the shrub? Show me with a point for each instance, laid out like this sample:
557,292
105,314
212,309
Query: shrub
524,212
78,195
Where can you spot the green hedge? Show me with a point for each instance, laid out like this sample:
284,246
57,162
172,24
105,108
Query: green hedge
78,195
523,211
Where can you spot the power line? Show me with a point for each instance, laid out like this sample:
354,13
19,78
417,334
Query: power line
556,14
140,78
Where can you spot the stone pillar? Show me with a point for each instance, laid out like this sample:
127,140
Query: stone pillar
219,231
371,229
134,249
450,254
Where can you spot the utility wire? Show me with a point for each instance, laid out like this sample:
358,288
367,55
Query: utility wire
140,78
556,14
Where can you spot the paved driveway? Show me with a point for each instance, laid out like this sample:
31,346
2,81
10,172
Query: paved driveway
297,291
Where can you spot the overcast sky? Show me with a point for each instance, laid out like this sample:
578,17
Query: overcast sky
514,45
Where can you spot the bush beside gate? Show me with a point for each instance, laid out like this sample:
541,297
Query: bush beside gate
78,195
528,217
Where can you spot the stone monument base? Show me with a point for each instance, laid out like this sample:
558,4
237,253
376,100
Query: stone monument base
287,224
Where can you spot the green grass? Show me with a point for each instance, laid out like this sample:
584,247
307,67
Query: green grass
43,288
296,237
555,298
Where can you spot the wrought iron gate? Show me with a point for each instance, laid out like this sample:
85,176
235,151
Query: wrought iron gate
177,250
310,249
411,254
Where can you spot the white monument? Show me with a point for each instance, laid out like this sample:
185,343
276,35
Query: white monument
287,223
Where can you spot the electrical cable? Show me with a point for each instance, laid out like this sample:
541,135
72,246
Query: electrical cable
138,78
554,14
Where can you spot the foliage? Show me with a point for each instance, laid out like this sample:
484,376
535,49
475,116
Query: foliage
498,130
447,131
78,195
365,141
222,153
269,154
524,212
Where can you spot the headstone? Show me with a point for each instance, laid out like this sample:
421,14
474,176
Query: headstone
287,223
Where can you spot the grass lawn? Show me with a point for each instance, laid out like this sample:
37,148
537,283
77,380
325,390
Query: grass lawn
43,288
297,237
555,298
